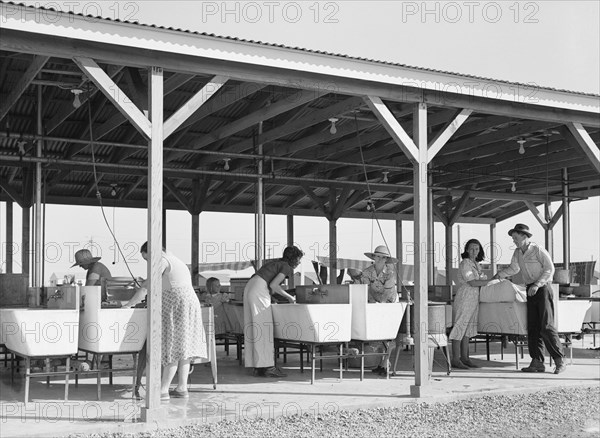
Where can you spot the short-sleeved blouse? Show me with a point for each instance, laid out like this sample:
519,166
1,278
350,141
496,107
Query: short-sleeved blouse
468,271
269,271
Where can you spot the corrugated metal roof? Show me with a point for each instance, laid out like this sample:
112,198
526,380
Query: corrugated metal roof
301,49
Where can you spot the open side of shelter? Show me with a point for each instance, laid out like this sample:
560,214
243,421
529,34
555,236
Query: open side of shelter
160,118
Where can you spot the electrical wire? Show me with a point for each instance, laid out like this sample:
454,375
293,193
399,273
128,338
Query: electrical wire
99,195
369,201
372,204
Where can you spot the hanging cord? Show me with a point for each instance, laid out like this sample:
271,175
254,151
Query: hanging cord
371,203
547,136
99,195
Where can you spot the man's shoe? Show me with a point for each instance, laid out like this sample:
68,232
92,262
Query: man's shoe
536,366
274,372
468,363
560,366
457,364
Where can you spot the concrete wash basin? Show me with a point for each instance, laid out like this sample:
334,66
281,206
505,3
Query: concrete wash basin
109,330
511,318
318,323
38,332
374,321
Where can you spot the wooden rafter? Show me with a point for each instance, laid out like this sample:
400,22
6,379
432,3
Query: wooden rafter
582,140
19,88
115,95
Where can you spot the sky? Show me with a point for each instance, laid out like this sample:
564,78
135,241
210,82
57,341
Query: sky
546,43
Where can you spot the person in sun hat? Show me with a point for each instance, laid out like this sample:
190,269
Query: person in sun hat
537,270
96,271
381,278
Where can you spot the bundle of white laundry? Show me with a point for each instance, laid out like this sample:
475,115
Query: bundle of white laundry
502,291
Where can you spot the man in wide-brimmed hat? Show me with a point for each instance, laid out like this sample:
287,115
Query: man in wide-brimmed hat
537,269
96,271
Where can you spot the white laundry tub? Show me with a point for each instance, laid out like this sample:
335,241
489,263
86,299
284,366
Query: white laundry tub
109,330
318,323
374,321
570,315
37,332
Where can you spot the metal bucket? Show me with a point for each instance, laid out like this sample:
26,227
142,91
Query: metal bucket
436,319
562,276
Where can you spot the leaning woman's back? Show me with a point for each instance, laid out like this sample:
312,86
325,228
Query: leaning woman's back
177,274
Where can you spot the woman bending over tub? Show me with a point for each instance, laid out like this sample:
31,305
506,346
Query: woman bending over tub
466,303
258,318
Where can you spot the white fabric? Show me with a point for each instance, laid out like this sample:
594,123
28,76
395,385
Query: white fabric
502,291
259,347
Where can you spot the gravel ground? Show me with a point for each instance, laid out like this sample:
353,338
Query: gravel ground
572,412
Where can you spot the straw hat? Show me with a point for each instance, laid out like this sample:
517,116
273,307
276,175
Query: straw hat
84,257
382,250
521,228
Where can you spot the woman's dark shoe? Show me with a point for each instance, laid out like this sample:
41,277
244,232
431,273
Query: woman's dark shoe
468,363
457,364
383,371
378,370
259,372
274,372
179,394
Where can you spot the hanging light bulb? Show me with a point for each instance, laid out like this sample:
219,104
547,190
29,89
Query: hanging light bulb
333,129
385,177
226,165
113,190
76,100
513,187
521,142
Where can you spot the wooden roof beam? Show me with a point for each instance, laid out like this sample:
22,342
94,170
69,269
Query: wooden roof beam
19,88
580,139
265,113
115,95
67,108
444,135
312,119
113,42
193,104
177,194
393,127
13,194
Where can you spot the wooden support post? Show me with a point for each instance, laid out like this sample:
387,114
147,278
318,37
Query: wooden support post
399,256
195,249
566,220
37,280
290,242
25,239
421,245
155,208
164,227
9,237
332,251
548,230
493,252
449,259
259,218
430,233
